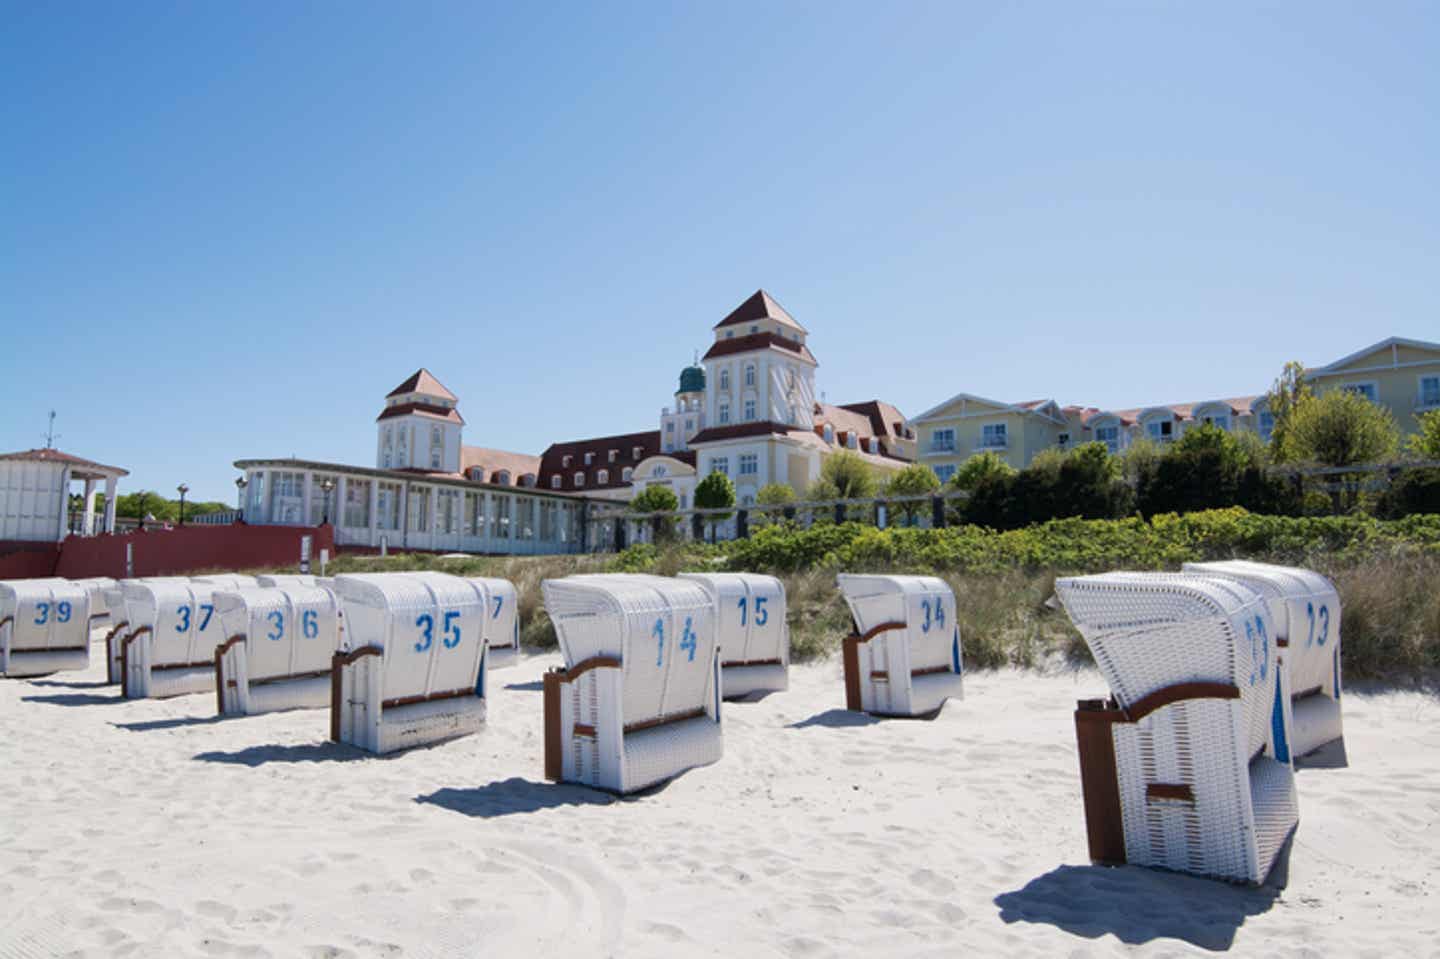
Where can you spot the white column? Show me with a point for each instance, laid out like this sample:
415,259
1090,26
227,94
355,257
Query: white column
374,512
64,523
434,512
337,504
305,485
88,527
110,504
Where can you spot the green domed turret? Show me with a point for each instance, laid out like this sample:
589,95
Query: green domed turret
692,380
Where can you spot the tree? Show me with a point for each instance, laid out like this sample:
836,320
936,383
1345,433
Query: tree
979,467
1426,443
1340,428
657,499
849,475
775,494
917,479
1285,396
715,492
146,503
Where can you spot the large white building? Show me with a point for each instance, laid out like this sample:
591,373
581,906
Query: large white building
426,491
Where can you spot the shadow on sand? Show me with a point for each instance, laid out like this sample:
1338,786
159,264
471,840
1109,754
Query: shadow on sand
176,722
507,797
837,719
74,699
101,684
326,752
534,687
1138,905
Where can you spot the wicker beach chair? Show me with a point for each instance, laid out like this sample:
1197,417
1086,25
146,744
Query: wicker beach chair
753,632
1187,765
904,658
411,668
226,580
1305,609
169,647
638,701
44,627
286,579
119,625
97,586
279,645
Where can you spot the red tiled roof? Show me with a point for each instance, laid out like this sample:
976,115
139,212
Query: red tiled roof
737,431
492,461
421,381
451,415
886,421
759,306
552,460
758,341
55,456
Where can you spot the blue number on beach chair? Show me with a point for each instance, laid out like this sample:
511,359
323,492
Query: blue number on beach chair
184,625
62,611
762,615
1324,624
659,641
277,620
451,629
1310,612
939,612
742,610
687,640
310,624
925,605
43,611
499,601
209,610
426,622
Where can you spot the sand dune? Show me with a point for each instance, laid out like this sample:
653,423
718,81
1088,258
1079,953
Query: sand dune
153,829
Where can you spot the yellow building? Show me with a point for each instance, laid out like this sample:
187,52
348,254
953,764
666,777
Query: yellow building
1401,374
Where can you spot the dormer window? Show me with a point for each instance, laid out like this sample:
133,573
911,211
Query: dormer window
589,458
638,452
579,479
501,477
528,480
851,441
829,433
626,474
755,328
477,474
613,454
872,445
555,481
729,333
602,477
565,461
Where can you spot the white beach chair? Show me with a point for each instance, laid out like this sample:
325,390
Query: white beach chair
638,701
753,632
286,579
96,586
1187,766
1305,609
904,658
280,643
411,670
169,649
226,580
44,627
501,627
119,625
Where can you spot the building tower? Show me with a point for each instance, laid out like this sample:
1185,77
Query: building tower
688,416
419,428
759,369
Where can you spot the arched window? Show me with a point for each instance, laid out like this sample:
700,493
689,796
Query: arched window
477,474
501,476
602,477
625,474
659,471
829,433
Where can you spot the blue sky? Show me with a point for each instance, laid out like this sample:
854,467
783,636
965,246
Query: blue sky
227,230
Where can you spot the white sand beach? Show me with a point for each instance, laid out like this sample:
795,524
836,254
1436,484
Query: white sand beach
151,828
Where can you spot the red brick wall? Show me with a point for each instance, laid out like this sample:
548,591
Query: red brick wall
21,559
191,549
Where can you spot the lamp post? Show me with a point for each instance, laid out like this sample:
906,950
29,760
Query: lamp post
182,489
240,484
326,485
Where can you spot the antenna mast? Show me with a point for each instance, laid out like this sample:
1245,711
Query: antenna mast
50,434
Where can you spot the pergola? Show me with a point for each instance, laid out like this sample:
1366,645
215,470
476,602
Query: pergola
33,479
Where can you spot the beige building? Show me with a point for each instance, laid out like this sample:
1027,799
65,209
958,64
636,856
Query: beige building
1402,375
